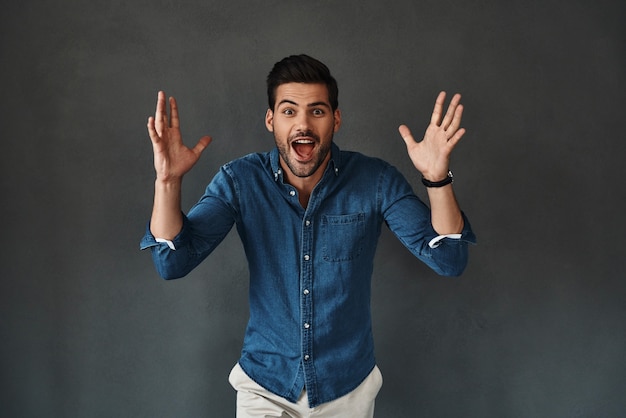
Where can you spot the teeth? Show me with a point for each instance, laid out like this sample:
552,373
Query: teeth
303,141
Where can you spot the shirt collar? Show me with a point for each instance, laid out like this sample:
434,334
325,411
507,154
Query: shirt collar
334,164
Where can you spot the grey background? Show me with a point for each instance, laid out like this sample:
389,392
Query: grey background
536,327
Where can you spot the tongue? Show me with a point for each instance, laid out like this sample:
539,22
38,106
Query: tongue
304,151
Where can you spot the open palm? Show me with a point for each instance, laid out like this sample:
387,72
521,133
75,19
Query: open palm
172,159
431,156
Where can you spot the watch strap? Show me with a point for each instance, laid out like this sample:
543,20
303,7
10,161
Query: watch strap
449,179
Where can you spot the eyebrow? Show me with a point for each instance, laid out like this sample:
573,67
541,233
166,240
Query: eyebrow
314,104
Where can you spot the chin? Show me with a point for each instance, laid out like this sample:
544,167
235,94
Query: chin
303,172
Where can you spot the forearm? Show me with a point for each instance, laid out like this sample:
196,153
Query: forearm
167,220
446,215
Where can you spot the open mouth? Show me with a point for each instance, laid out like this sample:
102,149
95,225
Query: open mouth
303,148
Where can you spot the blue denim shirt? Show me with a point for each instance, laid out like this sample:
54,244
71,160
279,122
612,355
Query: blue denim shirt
310,269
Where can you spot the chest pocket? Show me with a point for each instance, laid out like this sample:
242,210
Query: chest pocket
342,236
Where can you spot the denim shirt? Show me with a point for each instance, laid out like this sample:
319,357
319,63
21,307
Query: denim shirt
310,269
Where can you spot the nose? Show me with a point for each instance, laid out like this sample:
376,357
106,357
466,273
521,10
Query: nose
302,121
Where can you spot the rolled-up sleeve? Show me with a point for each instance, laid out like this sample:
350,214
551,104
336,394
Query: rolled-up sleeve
410,220
448,256
204,227
175,260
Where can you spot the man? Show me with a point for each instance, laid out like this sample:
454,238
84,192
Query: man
309,216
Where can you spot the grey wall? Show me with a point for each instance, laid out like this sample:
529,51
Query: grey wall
536,327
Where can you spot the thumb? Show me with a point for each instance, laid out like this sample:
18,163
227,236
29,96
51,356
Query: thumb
405,132
202,144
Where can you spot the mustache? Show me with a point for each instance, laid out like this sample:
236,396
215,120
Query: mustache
304,134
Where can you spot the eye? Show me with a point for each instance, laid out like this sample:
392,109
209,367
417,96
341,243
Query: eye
288,112
318,112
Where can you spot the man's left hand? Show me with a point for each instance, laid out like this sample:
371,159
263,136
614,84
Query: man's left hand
431,156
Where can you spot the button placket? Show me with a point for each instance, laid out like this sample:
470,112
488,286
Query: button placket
305,298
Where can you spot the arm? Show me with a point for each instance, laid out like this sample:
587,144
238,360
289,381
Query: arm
411,222
431,157
172,160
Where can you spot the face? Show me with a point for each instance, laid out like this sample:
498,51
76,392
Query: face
303,124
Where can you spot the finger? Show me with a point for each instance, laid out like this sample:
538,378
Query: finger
406,135
154,136
456,138
174,121
456,119
202,144
449,117
160,114
438,110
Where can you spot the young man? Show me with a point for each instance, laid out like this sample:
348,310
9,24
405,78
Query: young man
309,216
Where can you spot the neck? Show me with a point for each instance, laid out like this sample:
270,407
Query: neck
304,185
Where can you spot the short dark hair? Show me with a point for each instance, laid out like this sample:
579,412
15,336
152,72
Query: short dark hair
301,69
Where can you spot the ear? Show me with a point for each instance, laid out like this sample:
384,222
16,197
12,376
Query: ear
269,120
337,120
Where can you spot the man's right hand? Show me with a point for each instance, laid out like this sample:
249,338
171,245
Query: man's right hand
172,159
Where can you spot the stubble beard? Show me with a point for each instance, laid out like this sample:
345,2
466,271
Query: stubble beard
307,169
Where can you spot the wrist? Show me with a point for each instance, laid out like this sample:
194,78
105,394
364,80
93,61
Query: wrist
169,182
449,179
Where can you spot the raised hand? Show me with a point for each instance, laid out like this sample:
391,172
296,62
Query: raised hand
172,159
431,156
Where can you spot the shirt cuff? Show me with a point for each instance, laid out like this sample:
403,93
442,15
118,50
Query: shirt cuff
166,241
436,242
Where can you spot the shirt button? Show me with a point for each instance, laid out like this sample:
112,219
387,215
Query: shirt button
306,257
307,223
306,357
305,291
307,325
293,192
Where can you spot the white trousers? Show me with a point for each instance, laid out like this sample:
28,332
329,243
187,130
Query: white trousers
254,401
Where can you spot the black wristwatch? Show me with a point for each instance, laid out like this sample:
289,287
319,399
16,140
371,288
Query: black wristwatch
441,183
